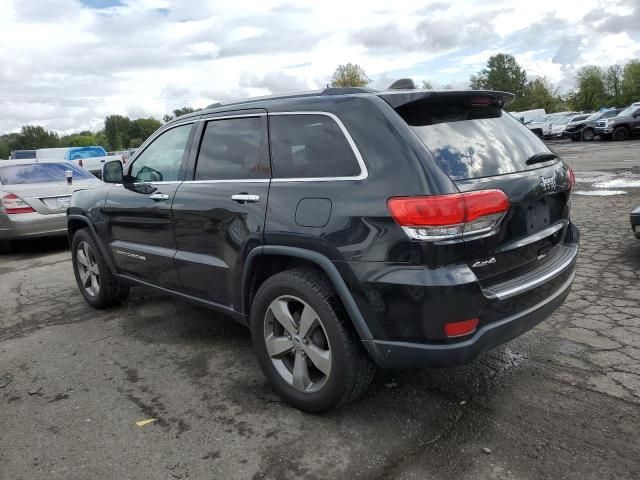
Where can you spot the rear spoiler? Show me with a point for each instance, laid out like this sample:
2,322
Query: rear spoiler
399,98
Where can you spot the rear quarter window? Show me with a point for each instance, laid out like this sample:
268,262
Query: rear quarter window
472,143
310,146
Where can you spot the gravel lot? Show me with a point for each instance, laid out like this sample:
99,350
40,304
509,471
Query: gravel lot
562,401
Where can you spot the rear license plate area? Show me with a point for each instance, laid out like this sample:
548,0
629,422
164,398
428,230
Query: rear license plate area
538,216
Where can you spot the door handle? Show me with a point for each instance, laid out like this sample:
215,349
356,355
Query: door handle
245,198
159,196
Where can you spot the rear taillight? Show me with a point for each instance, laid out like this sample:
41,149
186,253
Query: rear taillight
572,178
14,205
443,217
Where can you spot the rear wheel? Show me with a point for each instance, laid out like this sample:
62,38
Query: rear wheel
587,134
621,133
97,285
305,345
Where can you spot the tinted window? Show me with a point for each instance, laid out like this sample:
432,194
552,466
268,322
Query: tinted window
310,146
161,160
40,173
230,150
23,154
77,153
480,147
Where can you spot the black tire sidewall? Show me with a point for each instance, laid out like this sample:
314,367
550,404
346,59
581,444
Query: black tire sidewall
83,235
334,389
584,135
620,133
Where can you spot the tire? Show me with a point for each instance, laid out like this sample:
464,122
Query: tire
5,246
106,291
587,135
621,133
347,368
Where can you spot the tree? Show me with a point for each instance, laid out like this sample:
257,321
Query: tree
426,85
502,73
5,149
540,93
116,129
630,88
350,75
613,84
141,129
590,93
32,137
178,112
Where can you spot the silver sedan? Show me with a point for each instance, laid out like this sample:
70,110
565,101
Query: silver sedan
34,197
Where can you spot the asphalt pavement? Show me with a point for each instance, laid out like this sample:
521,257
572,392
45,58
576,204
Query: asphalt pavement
560,402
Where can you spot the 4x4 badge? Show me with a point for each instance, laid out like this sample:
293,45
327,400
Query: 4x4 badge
484,263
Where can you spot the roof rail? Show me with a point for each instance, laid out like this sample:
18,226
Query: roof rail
346,90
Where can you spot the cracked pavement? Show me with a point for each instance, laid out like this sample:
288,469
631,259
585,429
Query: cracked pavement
561,401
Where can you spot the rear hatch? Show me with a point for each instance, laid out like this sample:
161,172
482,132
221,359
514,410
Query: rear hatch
481,147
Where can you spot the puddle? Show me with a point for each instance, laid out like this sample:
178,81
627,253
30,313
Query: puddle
600,193
618,183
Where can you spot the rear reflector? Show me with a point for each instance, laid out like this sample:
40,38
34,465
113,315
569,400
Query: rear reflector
13,205
460,329
441,217
572,178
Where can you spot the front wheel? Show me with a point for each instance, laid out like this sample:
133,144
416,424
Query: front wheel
587,134
305,346
97,285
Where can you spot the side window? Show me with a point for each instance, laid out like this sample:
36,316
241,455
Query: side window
310,146
231,150
161,160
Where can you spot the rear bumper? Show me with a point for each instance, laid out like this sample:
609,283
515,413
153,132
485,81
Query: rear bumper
29,225
403,354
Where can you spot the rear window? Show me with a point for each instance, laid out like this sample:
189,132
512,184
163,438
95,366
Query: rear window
23,154
310,146
40,173
472,142
86,152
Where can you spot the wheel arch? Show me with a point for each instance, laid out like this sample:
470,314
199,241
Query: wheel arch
75,222
312,259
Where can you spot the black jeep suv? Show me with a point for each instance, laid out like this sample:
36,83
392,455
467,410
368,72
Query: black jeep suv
347,228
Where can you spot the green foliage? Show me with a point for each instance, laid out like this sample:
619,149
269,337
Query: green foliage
350,75
540,93
141,129
590,93
82,139
502,73
426,85
630,88
613,84
135,142
33,137
116,129
5,149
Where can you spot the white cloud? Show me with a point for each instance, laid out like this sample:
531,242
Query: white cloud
66,65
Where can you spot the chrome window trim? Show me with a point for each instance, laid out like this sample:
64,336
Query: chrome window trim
240,115
364,173
231,180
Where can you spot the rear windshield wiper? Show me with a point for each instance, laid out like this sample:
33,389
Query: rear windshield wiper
541,157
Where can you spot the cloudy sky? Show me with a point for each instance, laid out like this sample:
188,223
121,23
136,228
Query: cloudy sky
66,64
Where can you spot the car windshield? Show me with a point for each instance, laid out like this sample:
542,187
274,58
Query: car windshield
561,120
627,112
40,173
595,116
86,152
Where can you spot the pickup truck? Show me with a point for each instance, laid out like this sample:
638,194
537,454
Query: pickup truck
620,127
89,158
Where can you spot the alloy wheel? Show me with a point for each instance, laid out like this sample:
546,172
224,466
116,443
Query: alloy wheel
587,135
88,270
297,343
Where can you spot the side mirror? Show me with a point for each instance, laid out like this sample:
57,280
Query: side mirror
112,172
